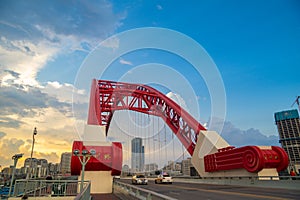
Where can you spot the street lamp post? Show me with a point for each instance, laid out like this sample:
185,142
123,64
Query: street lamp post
33,141
15,158
30,163
86,155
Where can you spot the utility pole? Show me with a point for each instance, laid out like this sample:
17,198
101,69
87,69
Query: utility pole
30,165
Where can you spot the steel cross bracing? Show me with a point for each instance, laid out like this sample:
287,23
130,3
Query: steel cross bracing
108,96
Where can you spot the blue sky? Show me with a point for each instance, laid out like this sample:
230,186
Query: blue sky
254,44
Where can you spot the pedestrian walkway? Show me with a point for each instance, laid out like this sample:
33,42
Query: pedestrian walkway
104,197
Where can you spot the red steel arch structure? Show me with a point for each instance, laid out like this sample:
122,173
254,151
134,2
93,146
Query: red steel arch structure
106,97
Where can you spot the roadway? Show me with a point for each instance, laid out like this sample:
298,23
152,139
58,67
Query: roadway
188,191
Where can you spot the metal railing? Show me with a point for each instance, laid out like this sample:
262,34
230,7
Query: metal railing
275,178
85,194
127,191
50,188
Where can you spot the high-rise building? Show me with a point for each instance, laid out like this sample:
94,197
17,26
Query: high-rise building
151,167
178,166
30,165
288,125
171,165
186,166
137,155
125,170
65,162
42,168
53,169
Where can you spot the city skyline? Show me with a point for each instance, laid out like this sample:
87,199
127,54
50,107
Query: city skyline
25,161
43,45
65,163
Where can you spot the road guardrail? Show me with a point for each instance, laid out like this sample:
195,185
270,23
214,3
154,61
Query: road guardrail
127,191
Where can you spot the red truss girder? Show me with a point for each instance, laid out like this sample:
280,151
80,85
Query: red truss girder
108,96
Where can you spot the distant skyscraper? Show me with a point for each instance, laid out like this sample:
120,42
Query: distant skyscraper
125,170
53,169
65,162
137,155
171,165
30,170
186,167
288,125
42,167
152,167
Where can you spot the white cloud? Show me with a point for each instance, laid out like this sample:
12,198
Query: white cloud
125,62
178,99
64,92
50,32
14,26
31,58
9,147
159,7
55,84
238,137
112,43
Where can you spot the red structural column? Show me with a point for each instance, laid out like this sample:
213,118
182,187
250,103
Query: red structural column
107,158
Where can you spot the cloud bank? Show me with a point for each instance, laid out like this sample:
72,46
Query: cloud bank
237,137
32,35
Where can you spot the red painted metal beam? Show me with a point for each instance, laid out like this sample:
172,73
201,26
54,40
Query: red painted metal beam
108,96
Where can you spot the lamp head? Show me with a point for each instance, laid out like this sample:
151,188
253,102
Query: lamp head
93,152
18,156
76,152
35,131
84,152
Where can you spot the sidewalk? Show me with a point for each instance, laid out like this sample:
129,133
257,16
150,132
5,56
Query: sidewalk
104,197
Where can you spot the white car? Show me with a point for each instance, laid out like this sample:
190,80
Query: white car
164,178
139,179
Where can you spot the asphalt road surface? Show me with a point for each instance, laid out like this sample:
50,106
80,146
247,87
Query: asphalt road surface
189,191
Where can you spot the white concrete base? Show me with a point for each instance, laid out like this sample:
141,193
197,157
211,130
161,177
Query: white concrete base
266,174
101,181
93,133
208,143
